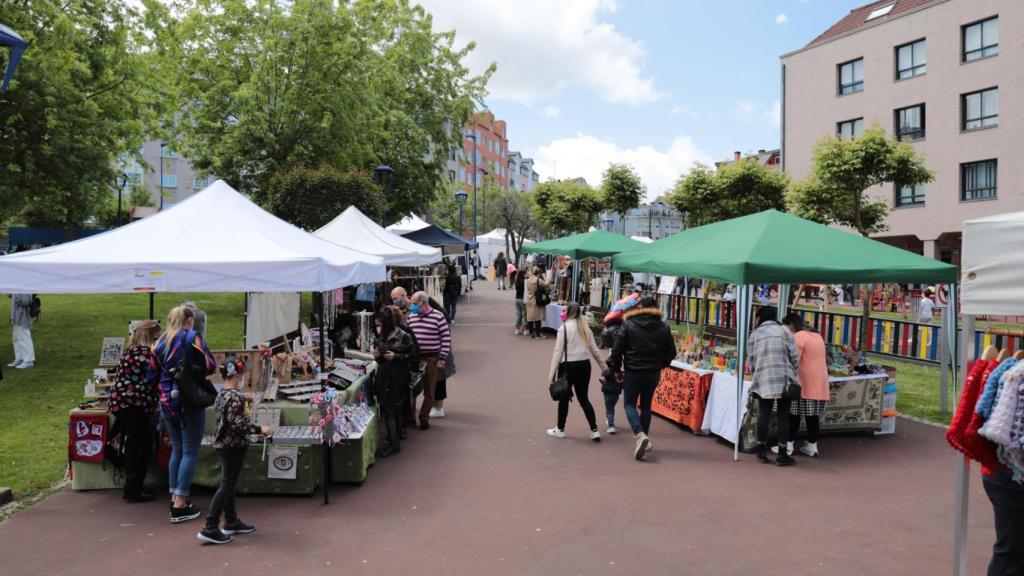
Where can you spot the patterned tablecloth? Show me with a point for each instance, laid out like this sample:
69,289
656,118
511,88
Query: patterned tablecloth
682,396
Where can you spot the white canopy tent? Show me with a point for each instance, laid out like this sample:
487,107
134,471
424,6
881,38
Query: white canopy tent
992,268
643,239
492,243
215,241
353,229
410,223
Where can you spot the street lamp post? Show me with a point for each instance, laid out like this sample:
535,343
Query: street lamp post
385,176
607,224
460,199
473,137
484,217
122,181
162,146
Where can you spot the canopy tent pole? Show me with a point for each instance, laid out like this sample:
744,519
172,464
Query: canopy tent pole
963,463
744,297
245,319
575,276
783,306
322,376
151,304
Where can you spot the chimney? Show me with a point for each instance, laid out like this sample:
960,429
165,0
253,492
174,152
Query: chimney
737,156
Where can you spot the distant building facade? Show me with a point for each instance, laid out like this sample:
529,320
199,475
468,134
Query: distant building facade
654,220
487,138
180,180
770,159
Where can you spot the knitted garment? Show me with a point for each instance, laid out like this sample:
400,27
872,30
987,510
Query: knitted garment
1000,424
1012,455
957,434
992,387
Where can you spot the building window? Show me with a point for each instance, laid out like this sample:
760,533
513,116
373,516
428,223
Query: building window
910,60
851,77
451,175
200,183
850,129
981,39
135,178
980,109
910,123
166,152
910,195
169,181
978,180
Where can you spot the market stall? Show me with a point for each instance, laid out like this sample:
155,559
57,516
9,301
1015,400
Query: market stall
215,241
771,247
492,243
352,228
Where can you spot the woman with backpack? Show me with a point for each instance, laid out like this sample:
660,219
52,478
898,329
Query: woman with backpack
537,300
134,402
574,347
181,347
394,352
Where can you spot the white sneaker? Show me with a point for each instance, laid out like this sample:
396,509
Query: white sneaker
595,435
650,445
435,413
612,430
24,365
556,432
809,449
789,449
640,449
14,364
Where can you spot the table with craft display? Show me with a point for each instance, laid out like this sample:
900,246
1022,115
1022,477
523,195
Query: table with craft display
704,400
552,316
291,462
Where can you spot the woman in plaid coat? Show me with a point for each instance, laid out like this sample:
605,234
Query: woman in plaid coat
774,359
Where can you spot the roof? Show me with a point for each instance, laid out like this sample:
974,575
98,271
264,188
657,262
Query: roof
857,18
593,244
353,228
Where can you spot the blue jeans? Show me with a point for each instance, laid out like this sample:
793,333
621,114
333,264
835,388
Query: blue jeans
639,387
610,400
520,314
186,432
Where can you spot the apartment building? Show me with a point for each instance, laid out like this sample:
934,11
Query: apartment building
770,159
179,182
487,138
522,176
654,220
946,76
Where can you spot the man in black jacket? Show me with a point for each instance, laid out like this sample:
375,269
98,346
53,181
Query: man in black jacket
643,347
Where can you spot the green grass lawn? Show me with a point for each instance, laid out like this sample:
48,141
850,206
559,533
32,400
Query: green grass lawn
34,403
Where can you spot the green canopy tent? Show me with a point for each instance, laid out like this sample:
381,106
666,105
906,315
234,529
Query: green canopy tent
774,247
594,244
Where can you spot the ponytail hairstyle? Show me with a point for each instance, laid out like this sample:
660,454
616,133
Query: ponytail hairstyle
176,320
145,334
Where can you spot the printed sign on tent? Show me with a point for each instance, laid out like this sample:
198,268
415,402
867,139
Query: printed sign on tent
149,280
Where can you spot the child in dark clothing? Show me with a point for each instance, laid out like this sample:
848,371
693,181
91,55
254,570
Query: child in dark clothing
231,441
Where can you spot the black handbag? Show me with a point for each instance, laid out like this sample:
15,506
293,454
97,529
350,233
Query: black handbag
416,384
541,295
792,391
560,389
197,393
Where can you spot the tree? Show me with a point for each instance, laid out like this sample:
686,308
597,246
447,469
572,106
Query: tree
514,212
80,99
565,207
843,172
267,85
622,190
705,195
444,210
311,197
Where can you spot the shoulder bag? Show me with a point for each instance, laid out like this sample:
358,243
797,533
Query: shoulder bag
560,389
197,393
792,390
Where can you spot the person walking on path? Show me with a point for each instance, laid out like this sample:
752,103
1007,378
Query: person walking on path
518,281
774,360
231,440
434,339
536,301
813,376
501,270
611,384
643,349
452,290
574,347
134,402
21,319
178,343
394,352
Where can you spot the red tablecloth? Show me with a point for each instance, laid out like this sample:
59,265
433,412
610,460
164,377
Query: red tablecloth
682,397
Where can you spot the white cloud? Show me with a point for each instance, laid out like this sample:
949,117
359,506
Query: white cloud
588,156
773,116
781,19
749,112
683,110
543,47
551,111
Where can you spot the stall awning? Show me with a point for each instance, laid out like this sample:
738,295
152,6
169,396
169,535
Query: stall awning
436,236
993,258
594,244
353,229
774,247
215,241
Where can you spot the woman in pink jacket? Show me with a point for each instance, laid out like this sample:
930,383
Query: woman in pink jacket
813,376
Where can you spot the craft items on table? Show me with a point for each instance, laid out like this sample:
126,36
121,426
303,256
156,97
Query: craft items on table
364,320
110,353
333,422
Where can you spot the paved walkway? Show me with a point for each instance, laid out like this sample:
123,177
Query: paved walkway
486,492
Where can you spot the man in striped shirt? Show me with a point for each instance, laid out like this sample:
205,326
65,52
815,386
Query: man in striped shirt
435,341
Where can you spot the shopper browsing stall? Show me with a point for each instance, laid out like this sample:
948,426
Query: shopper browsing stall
21,320
773,357
134,401
231,439
434,339
518,281
394,352
813,377
536,301
574,347
500,269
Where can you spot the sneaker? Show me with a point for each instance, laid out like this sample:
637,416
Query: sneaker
436,413
640,449
179,515
595,435
789,449
14,364
809,449
213,536
238,527
611,429
24,365
556,432
784,460
650,446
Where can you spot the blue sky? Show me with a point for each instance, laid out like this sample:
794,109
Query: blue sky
659,84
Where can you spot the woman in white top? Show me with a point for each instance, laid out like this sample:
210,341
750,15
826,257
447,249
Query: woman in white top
574,348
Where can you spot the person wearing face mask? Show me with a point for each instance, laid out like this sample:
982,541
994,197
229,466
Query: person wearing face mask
400,298
435,341
394,353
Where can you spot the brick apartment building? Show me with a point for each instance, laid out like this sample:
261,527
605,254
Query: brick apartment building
946,76
490,136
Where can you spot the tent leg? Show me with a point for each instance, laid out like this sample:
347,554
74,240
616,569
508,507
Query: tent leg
323,386
744,297
963,464
245,320
151,304
783,306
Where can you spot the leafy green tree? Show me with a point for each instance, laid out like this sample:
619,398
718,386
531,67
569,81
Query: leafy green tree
513,211
80,98
622,190
312,197
706,195
843,172
444,209
267,85
566,207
